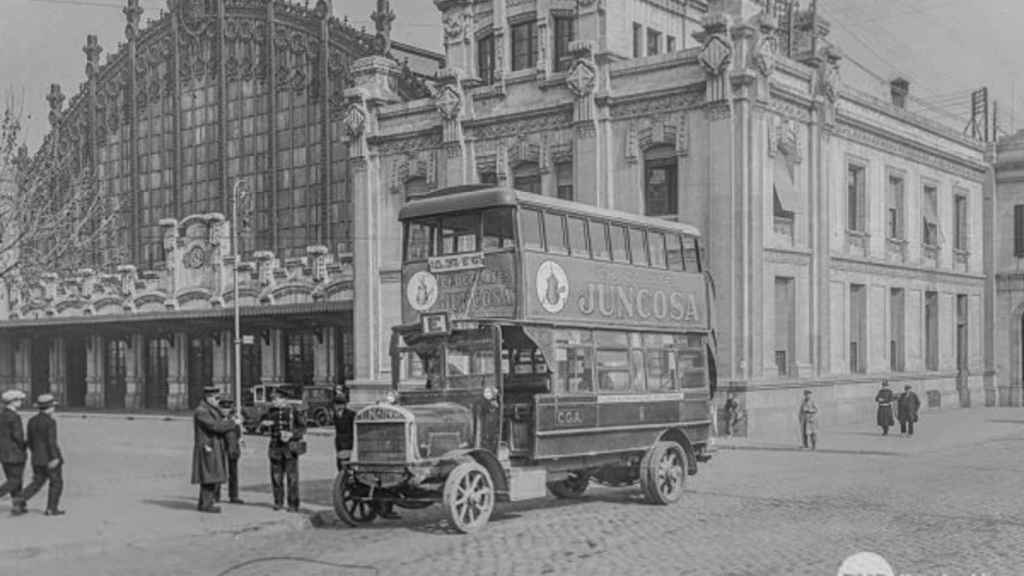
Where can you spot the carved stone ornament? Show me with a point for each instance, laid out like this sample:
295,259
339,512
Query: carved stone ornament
355,120
582,78
829,80
716,55
454,26
449,102
764,55
195,258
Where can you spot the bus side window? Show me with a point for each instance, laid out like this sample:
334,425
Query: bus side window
656,242
497,228
675,254
574,362
554,233
599,240
532,238
578,237
638,246
619,252
420,243
690,253
460,234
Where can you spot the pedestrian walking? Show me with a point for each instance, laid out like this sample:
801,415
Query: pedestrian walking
344,428
12,448
232,441
809,421
209,452
732,414
286,445
906,409
883,415
47,460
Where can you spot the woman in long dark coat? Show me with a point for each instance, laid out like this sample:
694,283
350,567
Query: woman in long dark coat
884,416
209,450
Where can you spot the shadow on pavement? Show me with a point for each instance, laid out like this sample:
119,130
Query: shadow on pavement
172,504
766,448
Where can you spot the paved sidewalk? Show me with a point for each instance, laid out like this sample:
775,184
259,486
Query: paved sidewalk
936,431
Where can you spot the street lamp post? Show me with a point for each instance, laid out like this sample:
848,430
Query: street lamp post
240,184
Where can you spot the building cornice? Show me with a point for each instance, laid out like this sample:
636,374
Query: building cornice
843,263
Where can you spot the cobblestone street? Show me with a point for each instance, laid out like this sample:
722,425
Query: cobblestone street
944,502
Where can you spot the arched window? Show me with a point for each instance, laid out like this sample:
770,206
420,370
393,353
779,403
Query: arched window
526,177
661,174
416,187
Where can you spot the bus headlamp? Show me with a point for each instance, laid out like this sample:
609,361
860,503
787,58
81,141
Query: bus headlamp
490,393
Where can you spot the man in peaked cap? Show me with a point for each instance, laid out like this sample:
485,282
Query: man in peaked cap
234,448
209,450
47,460
12,447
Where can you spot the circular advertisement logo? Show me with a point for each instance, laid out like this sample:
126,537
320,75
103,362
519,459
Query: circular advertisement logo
422,291
866,563
552,287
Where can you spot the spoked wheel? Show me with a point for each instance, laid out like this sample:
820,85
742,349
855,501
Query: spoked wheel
572,487
349,509
469,497
663,473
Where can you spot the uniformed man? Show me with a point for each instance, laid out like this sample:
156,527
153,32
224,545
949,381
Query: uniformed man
47,460
209,452
344,424
12,448
232,441
287,428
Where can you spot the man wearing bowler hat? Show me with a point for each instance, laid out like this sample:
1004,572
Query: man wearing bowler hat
12,447
209,450
47,460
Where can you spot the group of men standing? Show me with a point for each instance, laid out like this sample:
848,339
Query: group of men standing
216,450
41,441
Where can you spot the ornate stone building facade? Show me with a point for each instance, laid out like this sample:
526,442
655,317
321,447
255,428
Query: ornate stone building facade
844,233
209,92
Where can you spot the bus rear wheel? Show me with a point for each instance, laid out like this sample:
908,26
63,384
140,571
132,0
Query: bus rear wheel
663,473
347,506
572,487
469,497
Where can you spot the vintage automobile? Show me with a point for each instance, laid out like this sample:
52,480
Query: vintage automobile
316,401
526,365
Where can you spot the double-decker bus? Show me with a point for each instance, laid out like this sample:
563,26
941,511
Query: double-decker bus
544,344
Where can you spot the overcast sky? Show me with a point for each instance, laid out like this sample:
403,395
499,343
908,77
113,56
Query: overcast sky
944,47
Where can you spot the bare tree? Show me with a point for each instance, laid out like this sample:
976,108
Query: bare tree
53,217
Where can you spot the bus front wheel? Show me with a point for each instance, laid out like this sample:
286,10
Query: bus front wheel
663,473
468,497
350,509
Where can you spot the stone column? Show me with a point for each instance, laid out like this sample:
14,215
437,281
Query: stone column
134,372
94,372
989,217
58,369
323,357
23,365
6,361
272,357
177,372
223,362
589,164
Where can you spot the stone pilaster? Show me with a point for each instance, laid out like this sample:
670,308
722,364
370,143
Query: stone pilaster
223,361
23,365
177,372
322,356
272,356
6,361
58,369
135,377
457,23
94,372
589,164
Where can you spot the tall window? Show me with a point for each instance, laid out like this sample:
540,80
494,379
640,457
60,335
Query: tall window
897,333
524,45
526,177
784,196
785,307
930,218
564,35
670,44
661,197
858,327
1018,230
894,207
638,40
485,58
931,330
959,222
563,177
856,200
298,359
653,41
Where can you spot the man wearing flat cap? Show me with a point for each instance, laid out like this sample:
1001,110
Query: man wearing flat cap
12,447
47,460
209,451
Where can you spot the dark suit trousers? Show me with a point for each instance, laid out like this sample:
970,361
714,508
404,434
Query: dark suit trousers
280,469
232,480
40,475
907,427
13,473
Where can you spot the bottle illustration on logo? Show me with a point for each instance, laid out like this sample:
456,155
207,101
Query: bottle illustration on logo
422,291
552,287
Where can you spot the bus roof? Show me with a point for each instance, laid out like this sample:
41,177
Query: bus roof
477,197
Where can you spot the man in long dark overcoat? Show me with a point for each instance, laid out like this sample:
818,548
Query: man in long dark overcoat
883,415
209,451
12,448
906,410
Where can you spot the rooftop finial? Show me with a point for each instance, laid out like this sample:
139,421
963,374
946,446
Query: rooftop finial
382,17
